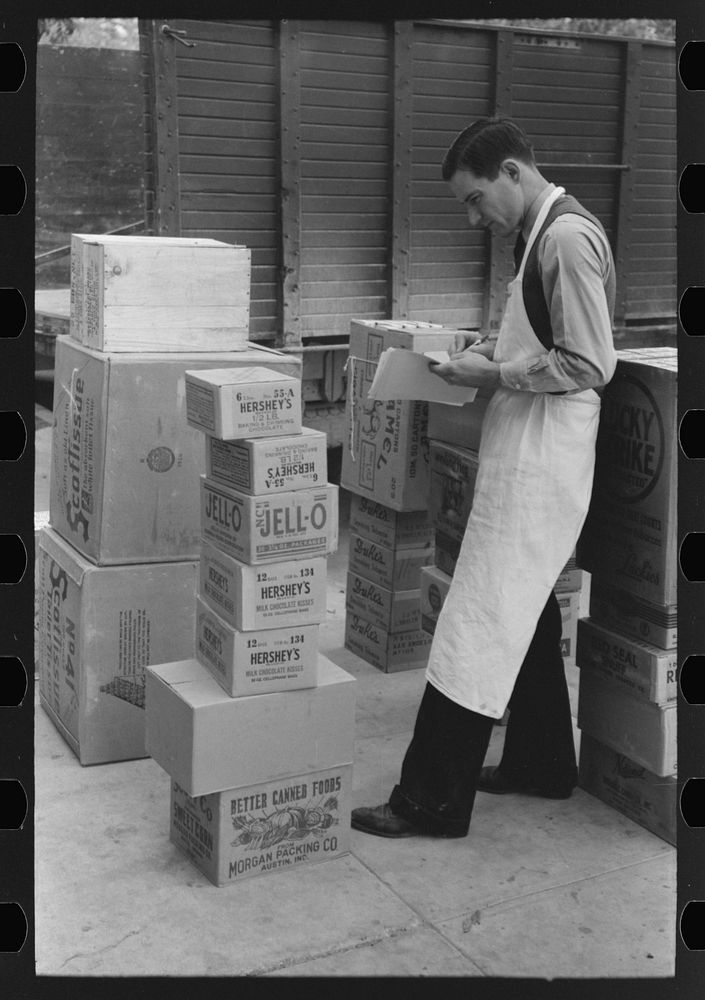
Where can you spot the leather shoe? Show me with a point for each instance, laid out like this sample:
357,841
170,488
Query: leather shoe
382,822
491,780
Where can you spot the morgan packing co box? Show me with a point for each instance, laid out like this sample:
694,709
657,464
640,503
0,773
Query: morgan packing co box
210,742
269,465
98,629
257,662
281,595
271,826
153,293
125,463
246,403
386,455
629,537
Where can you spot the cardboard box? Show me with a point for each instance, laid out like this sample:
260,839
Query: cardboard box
446,552
268,827
459,425
625,612
570,612
394,569
639,729
210,742
387,454
571,577
97,630
633,790
258,662
435,585
125,463
629,537
388,651
643,670
245,403
300,523
269,465
388,527
284,595
156,293
453,475
391,610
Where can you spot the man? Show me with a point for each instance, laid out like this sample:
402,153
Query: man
497,640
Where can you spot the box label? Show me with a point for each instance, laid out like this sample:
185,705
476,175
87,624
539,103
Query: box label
200,405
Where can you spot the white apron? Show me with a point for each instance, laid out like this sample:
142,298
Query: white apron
531,498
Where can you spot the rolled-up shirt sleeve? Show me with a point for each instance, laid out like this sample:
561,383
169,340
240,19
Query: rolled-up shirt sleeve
574,264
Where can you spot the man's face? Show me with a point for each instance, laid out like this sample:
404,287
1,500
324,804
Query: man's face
496,205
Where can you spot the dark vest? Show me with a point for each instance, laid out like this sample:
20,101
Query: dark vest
531,286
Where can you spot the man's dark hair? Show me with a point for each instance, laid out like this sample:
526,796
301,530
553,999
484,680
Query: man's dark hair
484,145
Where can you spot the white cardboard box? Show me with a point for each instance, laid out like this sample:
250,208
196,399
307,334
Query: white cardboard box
125,463
388,527
98,628
246,403
625,612
157,293
391,610
388,651
258,662
269,465
210,742
280,595
268,827
300,523
393,569
642,669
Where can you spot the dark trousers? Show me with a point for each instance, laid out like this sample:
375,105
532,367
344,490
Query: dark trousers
436,789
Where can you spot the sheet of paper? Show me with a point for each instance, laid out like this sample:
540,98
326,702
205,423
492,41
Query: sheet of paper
406,375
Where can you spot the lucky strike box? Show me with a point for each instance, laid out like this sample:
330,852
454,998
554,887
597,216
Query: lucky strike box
642,669
639,729
386,456
256,662
282,595
159,293
391,610
393,569
263,529
388,527
125,463
388,651
625,612
98,628
647,798
269,465
629,537
267,827
249,403
453,474
209,742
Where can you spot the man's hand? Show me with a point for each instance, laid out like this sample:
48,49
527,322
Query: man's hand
470,367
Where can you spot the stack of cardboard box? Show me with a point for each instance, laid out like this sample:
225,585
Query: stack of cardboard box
256,731
386,469
116,567
627,648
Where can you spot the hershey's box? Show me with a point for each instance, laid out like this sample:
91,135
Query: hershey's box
260,529
209,742
247,403
269,465
394,569
391,610
625,612
629,536
386,456
639,729
435,585
640,668
647,798
98,628
388,527
256,662
453,475
282,595
267,827
125,463
159,293
388,651
459,425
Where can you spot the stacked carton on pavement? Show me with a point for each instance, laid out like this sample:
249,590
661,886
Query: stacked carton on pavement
256,731
627,648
